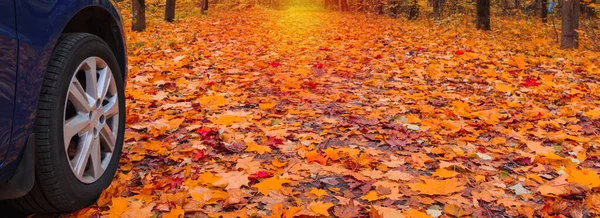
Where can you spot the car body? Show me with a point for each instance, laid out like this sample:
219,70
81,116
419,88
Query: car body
29,30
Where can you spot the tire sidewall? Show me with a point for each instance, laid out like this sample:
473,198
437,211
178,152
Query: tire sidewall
78,194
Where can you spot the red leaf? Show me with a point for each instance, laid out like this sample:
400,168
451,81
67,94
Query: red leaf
529,82
198,154
260,175
273,142
274,64
204,131
523,161
459,52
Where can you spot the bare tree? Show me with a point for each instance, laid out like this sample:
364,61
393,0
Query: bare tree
570,22
139,15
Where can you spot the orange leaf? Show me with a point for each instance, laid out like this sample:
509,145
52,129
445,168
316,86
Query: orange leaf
320,207
437,187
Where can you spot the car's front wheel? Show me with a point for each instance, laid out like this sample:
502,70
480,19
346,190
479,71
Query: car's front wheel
79,126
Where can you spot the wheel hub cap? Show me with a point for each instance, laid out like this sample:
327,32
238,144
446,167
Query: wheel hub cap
91,119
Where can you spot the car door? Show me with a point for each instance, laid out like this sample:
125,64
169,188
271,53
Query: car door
8,72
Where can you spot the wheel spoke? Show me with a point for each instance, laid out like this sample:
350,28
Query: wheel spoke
107,137
104,83
96,159
91,79
80,160
112,108
73,126
78,97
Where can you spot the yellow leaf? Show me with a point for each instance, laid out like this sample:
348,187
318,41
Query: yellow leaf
227,120
214,101
504,88
174,213
273,183
444,173
584,177
593,114
118,207
291,212
412,213
266,106
208,178
437,187
318,192
370,196
260,149
320,207
275,162
331,153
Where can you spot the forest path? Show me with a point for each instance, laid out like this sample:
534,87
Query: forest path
293,113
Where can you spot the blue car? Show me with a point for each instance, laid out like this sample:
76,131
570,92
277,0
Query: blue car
62,103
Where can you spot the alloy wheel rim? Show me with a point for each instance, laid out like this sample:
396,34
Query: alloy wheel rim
91,119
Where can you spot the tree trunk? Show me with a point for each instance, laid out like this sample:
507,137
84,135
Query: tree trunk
413,12
483,14
204,6
344,5
544,11
570,22
437,7
378,8
170,11
517,4
139,15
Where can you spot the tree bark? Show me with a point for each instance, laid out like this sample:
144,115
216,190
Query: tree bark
413,12
544,11
378,8
204,6
139,15
344,5
437,7
170,11
570,22
483,14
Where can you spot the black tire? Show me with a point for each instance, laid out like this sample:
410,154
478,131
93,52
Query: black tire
56,188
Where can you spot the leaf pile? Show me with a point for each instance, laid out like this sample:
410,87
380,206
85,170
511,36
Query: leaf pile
297,113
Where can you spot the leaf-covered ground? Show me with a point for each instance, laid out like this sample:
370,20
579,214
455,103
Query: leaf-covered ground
297,113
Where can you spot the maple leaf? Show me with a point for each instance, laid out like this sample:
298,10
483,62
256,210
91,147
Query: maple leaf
437,187
455,210
346,211
318,192
233,180
412,213
530,82
585,177
370,196
388,212
320,208
444,173
118,207
260,175
260,149
208,178
273,183
174,213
